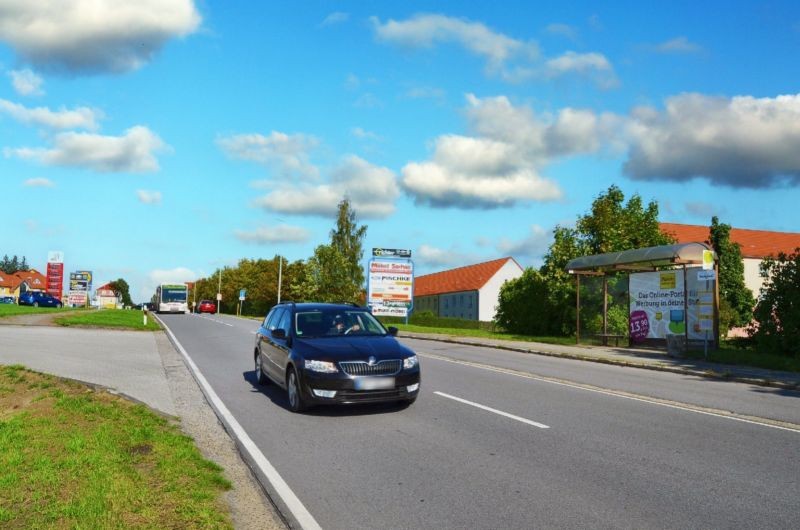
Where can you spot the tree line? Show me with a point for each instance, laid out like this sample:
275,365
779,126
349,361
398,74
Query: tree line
542,301
12,265
332,274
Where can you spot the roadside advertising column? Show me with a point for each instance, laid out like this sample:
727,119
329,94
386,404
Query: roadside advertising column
390,282
55,273
80,285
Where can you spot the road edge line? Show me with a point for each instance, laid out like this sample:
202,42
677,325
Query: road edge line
296,508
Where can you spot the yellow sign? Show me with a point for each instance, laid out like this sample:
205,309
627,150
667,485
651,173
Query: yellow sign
708,259
667,280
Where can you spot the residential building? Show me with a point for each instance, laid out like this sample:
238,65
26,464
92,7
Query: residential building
755,245
21,281
105,297
469,292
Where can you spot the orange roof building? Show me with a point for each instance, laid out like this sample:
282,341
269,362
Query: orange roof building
469,292
755,245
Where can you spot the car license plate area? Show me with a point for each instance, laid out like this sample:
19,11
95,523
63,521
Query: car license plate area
373,383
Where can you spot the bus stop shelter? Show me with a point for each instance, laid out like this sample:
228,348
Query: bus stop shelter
679,258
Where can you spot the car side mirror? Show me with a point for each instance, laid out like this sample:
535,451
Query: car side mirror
279,333
393,331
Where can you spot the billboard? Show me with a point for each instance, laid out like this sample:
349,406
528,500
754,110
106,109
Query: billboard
658,306
80,285
55,273
390,287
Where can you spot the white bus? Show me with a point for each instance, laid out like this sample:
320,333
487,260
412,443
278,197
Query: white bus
171,298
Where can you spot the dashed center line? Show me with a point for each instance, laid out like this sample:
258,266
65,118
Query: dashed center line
490,409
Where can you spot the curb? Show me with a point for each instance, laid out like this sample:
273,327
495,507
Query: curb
708,374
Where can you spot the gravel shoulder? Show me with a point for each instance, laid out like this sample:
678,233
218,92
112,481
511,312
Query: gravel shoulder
250,507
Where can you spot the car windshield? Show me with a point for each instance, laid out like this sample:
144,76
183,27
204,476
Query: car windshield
336,323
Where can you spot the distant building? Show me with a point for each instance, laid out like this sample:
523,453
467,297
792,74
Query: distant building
105,297
755,244
469,292
20,282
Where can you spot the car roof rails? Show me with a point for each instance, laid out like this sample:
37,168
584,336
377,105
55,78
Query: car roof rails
352,304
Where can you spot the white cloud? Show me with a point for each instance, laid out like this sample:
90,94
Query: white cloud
425,93
499,165
513,60
80,118
678,45
372,191
363,134
368,100
425,30
79,36
563,30
740,142
532,246
133,152
435,257
277,234
593,65
26,82
289,153
39,182
337,17
149,197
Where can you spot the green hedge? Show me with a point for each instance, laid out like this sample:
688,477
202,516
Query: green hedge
428,319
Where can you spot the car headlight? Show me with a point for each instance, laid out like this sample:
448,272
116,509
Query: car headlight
410,362
321,366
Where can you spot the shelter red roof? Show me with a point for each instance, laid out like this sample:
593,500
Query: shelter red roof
754,243
469,278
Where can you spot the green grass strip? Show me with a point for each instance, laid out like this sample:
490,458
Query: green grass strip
110,318
75,458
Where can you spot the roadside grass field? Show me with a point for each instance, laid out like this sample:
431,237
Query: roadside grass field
110,318
458,332
10,310
73,457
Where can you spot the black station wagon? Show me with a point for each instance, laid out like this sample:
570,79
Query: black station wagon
333,354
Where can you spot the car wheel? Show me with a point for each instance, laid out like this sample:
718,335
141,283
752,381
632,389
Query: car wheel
36,304
59,305
261,379
296,402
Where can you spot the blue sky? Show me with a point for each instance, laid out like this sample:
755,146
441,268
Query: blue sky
162,140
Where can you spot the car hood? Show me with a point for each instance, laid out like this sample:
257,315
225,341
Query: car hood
351,348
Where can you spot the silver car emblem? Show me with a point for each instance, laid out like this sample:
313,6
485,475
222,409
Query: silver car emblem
371,361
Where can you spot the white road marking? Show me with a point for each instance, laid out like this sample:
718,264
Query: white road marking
619,394
299,511
490,409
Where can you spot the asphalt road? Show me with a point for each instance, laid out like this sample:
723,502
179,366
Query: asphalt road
505,440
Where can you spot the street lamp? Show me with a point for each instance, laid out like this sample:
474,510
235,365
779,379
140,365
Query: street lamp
219,292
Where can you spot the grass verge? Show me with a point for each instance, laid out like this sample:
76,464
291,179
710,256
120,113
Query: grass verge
10,310
110,318
75,458
483,334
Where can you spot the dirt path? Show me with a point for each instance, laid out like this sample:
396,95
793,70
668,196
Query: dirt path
38,319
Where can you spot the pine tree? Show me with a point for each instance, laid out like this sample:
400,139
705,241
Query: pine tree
348,239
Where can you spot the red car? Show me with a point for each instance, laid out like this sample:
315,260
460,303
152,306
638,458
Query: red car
206,306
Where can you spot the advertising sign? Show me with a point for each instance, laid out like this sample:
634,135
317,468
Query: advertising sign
80,284
391,252
390,287
657,306
55,273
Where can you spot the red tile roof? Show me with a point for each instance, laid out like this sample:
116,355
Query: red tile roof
469,278
754,243
31,277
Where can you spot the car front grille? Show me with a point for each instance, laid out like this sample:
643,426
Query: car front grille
390,367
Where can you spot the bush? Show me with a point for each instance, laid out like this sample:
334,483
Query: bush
522,306
428,319
777,315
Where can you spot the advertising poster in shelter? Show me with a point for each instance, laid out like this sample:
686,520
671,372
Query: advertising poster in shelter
658,307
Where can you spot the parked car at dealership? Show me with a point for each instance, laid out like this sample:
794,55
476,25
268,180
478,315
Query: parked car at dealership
333,354
38,299
206,306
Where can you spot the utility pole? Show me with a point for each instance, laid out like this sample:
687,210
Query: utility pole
280,274
219,292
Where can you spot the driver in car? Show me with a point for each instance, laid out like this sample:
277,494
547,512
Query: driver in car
339,327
